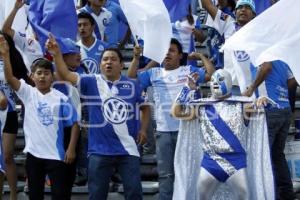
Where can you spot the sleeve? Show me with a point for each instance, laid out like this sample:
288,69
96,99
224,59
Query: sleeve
20,40
69,114
24,92
201,73
144,78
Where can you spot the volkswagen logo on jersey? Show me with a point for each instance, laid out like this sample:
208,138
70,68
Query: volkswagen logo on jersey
241,56
115,110
92,65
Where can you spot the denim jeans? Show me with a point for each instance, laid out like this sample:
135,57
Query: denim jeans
100,169
165,150
278,122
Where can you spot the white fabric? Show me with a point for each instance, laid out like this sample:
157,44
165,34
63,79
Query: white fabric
41,121
29,47
188,156
20,21
266,39
150,21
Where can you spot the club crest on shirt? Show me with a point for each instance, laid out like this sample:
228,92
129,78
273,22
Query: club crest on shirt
91,64
115,110
241,56
44,114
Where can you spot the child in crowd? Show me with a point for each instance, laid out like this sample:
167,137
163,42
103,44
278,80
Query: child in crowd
47,113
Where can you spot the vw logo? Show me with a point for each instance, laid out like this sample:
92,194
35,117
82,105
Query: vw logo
92,65
115,110
241,56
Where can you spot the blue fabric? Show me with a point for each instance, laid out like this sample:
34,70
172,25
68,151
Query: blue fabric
261,5
102,167
214,168
53,16
112,31
276,84
223,129
102,138
177,8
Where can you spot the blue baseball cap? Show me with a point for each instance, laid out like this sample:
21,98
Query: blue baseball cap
246,2
69,46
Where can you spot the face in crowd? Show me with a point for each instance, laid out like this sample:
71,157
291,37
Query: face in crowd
85,28
111,64
96,3
244,14
173,57
42,74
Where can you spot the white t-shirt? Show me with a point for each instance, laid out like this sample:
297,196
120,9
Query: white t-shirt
29,47
46,116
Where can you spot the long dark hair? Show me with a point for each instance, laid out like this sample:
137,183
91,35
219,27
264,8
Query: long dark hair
17,63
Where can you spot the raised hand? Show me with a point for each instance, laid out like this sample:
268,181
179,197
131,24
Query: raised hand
19,4
52,45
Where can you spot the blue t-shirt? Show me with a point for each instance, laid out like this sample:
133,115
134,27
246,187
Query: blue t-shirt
113,112
166,86
118,17
276,83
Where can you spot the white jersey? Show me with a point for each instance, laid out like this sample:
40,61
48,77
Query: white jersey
29,47
166,86
46,116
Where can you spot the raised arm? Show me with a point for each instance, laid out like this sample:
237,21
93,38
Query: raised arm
61,67
210,7
7,26
133,67
262,73
4,54
180,108
208,65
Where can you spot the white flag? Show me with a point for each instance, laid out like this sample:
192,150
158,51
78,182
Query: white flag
273,35
149,20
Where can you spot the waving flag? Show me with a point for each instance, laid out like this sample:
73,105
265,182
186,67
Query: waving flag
150,21
56,16
177,8
267,39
